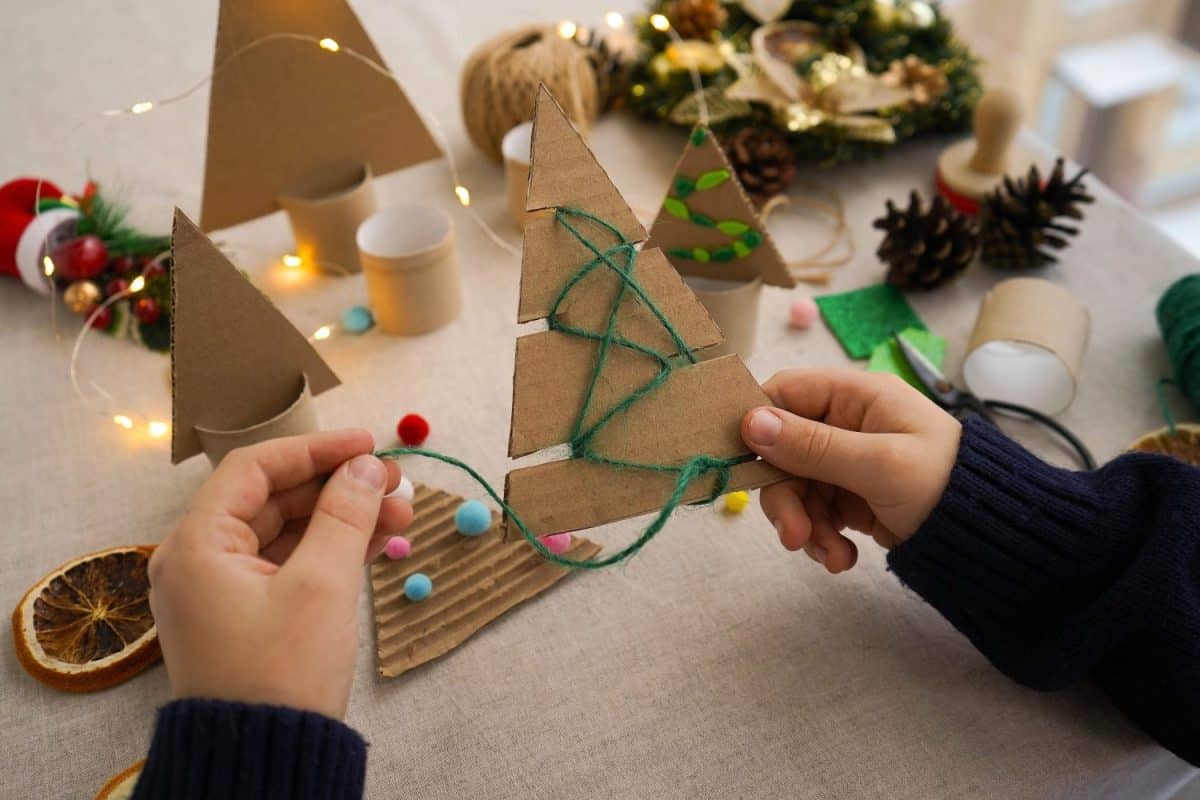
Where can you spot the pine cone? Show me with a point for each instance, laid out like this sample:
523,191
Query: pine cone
696,19
924,250
763,160
613,53
1017,220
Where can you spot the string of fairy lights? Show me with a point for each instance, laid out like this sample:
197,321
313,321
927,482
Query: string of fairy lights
138,423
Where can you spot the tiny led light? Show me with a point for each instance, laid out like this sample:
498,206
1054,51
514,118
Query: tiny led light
329,44
124,421
157,429
322,333
567,29
660,22
142,107
613,19
291,261
137,284
638,90
464,195
47,265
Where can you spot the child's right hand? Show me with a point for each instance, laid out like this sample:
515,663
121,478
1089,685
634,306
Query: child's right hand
870,453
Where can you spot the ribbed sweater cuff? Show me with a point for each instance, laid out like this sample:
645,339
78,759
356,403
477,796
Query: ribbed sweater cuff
1011,538
206,749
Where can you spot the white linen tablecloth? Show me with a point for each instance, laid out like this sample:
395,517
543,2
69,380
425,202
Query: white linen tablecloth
713,665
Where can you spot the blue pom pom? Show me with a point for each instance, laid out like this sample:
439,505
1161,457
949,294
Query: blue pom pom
472,518
358,319
417,587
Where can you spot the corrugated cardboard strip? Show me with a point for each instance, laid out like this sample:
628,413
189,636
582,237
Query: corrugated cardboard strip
475,580
236,361
698,410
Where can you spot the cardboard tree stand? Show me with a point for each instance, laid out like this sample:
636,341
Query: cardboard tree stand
697,410
296,126
240,372
476,579
712,234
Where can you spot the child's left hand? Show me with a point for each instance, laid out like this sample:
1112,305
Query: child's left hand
255,593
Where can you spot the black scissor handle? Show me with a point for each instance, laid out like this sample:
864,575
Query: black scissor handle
1081,451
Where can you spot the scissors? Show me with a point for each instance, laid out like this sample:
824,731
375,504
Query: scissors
962,404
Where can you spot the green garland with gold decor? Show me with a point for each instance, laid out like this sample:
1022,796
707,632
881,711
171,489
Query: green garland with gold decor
844,80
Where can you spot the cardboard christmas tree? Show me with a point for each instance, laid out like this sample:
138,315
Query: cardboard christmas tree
708,227
287,117
617,376
240,371
476,579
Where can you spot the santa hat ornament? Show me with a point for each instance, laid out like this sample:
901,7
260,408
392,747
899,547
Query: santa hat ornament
34,218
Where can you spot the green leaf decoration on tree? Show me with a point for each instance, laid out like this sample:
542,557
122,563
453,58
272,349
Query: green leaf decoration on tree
700,254
732,227
677,208
712,179
703,220
684,186
725,253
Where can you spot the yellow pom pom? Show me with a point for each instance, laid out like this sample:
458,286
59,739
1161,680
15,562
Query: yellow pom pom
736,502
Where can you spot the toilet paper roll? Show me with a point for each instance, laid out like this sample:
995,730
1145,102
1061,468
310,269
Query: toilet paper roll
733,305
1028,345
325,214
515,148
410,262
299,417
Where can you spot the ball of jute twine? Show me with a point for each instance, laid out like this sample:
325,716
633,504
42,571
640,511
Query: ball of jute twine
500,80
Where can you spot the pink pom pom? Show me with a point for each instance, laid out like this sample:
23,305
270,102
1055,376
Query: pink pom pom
803,313
397,548
557,543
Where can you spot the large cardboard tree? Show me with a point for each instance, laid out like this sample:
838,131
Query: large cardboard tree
288,117
620,317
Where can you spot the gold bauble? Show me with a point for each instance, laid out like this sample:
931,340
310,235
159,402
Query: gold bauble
82,296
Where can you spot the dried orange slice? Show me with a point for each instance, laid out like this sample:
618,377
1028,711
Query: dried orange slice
120,786
87,624
1183,444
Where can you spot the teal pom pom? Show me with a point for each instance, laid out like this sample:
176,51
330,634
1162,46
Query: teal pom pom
358,319
472,518
417,587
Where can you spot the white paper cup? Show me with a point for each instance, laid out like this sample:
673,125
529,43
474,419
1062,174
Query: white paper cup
299,417
733,305
325,216
411,266
1028,344
515,149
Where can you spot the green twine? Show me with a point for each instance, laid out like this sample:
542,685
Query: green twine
619,258
1178,315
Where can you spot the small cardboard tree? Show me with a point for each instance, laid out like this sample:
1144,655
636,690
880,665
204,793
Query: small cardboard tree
708,227
240,371
288,117
599,378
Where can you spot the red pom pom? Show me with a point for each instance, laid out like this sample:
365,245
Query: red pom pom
412,429
147,310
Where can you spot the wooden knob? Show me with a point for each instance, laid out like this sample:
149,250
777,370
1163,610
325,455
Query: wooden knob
997,120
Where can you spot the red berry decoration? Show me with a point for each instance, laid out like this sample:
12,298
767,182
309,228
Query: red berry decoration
412,429
123,265
153,269
115,287
81,258
147,310
103,319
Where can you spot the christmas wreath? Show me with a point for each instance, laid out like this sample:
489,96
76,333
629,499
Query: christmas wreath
842,80
113,275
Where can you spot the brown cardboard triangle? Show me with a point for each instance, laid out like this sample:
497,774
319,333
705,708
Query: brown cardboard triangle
236,361
288,117
697,245
696,411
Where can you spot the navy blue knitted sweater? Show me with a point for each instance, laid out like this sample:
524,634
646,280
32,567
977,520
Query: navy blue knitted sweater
1053,575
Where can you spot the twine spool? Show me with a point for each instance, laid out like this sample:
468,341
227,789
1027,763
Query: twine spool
1178,315
501,78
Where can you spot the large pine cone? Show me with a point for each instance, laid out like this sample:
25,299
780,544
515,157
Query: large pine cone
696,19
1017,221
763,160
924,250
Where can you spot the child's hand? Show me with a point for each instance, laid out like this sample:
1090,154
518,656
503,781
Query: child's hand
255,594
869,451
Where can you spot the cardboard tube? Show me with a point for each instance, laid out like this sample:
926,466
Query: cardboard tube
1028,345
325,214
299,417
733,305
411,265
515,148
